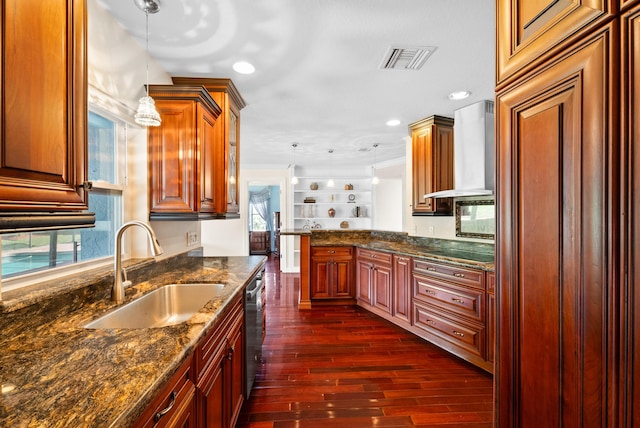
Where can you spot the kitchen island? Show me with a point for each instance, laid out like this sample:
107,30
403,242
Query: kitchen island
56,373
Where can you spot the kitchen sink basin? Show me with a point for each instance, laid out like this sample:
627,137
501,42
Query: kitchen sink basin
168,305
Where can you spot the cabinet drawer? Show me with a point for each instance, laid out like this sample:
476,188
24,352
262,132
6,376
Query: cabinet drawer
173,402
466,336
378,257
464,301
460,275
215,339
331,251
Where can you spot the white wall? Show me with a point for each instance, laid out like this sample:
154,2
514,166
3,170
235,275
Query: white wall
231,237
117,75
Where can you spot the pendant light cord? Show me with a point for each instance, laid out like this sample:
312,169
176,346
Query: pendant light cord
146,13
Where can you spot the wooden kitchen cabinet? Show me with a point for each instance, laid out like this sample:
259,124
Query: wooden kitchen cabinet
43,148
432,164
630,307
449,309
332,273
491,317
534,30
558,187
175,405
227,137
374,280
182,154
219,362
402,290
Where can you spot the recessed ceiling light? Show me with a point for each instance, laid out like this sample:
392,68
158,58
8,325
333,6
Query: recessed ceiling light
459,95
393,122
244,67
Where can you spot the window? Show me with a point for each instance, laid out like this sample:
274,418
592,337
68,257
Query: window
24,253
258,224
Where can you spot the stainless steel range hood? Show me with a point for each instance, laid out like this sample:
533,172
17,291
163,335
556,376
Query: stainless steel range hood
473,152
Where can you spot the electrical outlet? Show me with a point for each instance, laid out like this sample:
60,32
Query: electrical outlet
431,231
192,239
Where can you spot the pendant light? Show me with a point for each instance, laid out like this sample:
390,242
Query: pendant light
147,115
330,183
294,179
375,179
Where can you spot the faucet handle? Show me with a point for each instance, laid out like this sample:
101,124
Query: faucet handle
126,284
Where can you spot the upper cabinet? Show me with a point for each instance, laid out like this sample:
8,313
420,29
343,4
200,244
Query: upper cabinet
532,31
432,164
44,108
182,154
227,137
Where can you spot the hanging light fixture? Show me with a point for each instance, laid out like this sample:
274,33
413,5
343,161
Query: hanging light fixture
147,115
375,179
294,179
330,183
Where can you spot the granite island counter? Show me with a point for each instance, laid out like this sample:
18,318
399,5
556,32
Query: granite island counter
56,373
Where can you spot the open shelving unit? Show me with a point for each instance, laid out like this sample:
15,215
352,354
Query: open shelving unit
352,206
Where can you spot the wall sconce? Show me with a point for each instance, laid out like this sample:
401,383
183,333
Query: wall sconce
147,115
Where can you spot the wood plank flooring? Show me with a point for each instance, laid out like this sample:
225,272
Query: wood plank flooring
341,366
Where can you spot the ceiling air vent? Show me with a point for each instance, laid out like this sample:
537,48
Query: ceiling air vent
406,58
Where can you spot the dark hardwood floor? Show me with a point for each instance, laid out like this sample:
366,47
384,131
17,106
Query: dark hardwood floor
341,366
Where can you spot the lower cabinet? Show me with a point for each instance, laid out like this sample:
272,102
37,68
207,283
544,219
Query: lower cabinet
374,280
331,273
401,290
449,309
175,405
220,368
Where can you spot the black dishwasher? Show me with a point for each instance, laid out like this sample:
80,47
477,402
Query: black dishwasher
253,337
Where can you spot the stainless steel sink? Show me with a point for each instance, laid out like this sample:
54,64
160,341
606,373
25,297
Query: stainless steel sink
168,305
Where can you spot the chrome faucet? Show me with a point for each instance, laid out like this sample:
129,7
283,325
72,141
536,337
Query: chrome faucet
117,293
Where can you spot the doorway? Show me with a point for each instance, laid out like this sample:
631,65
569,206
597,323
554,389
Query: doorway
264,219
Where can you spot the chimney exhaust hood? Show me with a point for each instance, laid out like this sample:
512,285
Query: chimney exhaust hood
473,152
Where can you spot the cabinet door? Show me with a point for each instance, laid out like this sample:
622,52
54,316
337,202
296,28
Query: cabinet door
211,393
364,280
341,278
172,164
402,288
382,287
206,142
432,164
554,169
235,371
43,159
530,31
320,277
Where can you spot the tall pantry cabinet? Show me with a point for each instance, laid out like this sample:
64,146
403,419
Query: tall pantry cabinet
565,174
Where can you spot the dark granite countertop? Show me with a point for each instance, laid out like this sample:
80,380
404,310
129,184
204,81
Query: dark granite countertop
55,373
460,253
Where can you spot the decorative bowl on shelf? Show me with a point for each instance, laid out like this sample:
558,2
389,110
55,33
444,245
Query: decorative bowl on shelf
348,186
332,212
344,225
313,186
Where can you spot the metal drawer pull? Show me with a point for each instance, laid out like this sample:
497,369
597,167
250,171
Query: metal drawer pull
458,275
433,293
431,322
431,269
166,410
457,300
331,252
457,333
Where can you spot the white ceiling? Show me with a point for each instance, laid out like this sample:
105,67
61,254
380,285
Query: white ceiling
317,80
